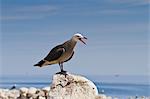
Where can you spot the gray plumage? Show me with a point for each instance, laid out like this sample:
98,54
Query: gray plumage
61,53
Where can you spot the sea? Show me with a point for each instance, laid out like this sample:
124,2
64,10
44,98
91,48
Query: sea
122,87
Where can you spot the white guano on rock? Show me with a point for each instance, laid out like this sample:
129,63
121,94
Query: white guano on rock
71,86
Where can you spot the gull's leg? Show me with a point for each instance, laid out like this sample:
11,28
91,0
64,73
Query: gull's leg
61,67
62,70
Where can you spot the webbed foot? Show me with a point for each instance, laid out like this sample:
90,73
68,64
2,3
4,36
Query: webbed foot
63,73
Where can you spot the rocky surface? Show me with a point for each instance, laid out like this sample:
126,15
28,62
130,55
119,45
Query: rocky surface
67,86
72,87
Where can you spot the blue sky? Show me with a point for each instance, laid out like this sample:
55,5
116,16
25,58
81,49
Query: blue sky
117,32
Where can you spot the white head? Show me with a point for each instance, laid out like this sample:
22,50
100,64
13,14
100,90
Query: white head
78,37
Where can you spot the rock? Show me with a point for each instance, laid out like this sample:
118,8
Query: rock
13,94
3,94
24,90
40,97
72,87
46,89
9,94
31,92
40,93
23,93
101,96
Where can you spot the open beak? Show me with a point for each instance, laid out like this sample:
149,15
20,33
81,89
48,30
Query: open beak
82,40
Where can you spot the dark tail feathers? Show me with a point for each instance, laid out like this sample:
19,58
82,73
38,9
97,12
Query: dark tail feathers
40,63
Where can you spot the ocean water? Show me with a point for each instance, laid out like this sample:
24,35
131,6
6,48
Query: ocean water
110,88
123,90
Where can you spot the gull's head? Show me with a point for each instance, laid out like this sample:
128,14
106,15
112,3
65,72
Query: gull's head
79,37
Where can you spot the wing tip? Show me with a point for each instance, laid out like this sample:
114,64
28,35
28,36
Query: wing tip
39,64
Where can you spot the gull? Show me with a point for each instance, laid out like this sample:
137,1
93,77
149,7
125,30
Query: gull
62,53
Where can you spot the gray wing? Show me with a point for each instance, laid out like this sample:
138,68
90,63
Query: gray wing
55,53
70,57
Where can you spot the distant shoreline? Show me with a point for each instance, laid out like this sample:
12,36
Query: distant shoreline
121,79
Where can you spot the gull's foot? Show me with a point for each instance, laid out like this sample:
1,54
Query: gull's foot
63,73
